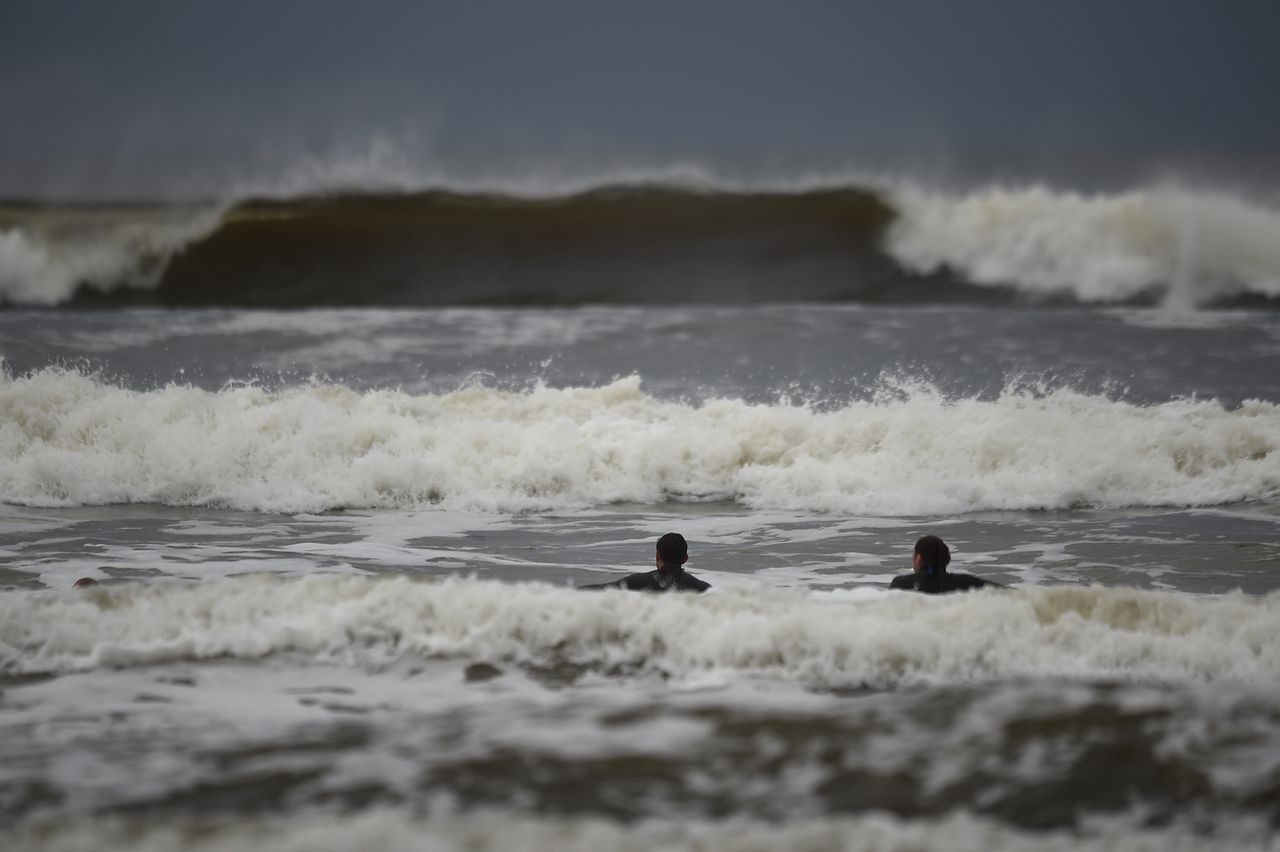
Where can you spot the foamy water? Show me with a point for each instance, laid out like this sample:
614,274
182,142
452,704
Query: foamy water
396,830
46,264
1069,632
460,711
1190,247
76,440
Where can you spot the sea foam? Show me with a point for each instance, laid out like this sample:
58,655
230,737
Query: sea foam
900,639
1189,247
47,265
69,439
397,830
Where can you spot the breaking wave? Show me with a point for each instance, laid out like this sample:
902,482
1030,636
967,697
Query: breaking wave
646,242
892,640
70,439
47,257
1184,248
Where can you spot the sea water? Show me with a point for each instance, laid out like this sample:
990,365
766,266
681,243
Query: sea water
337,548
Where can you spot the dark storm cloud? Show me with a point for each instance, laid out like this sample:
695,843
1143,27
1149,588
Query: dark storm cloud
135,90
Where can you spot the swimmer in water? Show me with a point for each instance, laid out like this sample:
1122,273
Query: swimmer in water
84,582
930,575
670,557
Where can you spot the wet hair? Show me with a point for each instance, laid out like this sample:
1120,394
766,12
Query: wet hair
936,556
673,549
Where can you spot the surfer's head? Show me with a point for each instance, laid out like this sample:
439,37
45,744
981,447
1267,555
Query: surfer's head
84,582
672,550
930,561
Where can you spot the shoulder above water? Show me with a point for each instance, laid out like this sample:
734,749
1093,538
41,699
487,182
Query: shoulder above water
950,583
657,581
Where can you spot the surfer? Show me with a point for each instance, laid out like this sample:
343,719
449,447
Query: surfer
929,571
670,557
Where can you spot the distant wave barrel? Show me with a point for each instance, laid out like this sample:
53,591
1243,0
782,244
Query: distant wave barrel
648,244
614,245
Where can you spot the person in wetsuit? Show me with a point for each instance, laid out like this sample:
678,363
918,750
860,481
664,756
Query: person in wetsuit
930,575
671,555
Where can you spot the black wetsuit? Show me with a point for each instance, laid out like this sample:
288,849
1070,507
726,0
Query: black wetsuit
663,579
950,583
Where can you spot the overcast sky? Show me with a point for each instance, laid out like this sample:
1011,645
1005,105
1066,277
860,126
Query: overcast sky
146,97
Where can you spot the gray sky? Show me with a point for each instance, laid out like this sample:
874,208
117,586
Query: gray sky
154,97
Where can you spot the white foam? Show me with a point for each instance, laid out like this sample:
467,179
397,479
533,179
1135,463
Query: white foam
395,830
1067,632
69,439
1190,247
45,266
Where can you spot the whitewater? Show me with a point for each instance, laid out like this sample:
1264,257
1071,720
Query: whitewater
825,642
73,440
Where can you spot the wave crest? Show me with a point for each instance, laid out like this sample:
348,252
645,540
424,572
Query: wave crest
1188,248
46,258
70,439
899,639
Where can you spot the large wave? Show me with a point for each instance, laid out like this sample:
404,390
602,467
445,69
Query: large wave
1066,631
682,240
72,439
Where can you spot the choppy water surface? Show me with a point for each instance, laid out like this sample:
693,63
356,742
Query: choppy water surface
336,552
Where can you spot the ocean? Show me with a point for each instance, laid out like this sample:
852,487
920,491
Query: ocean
337,460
